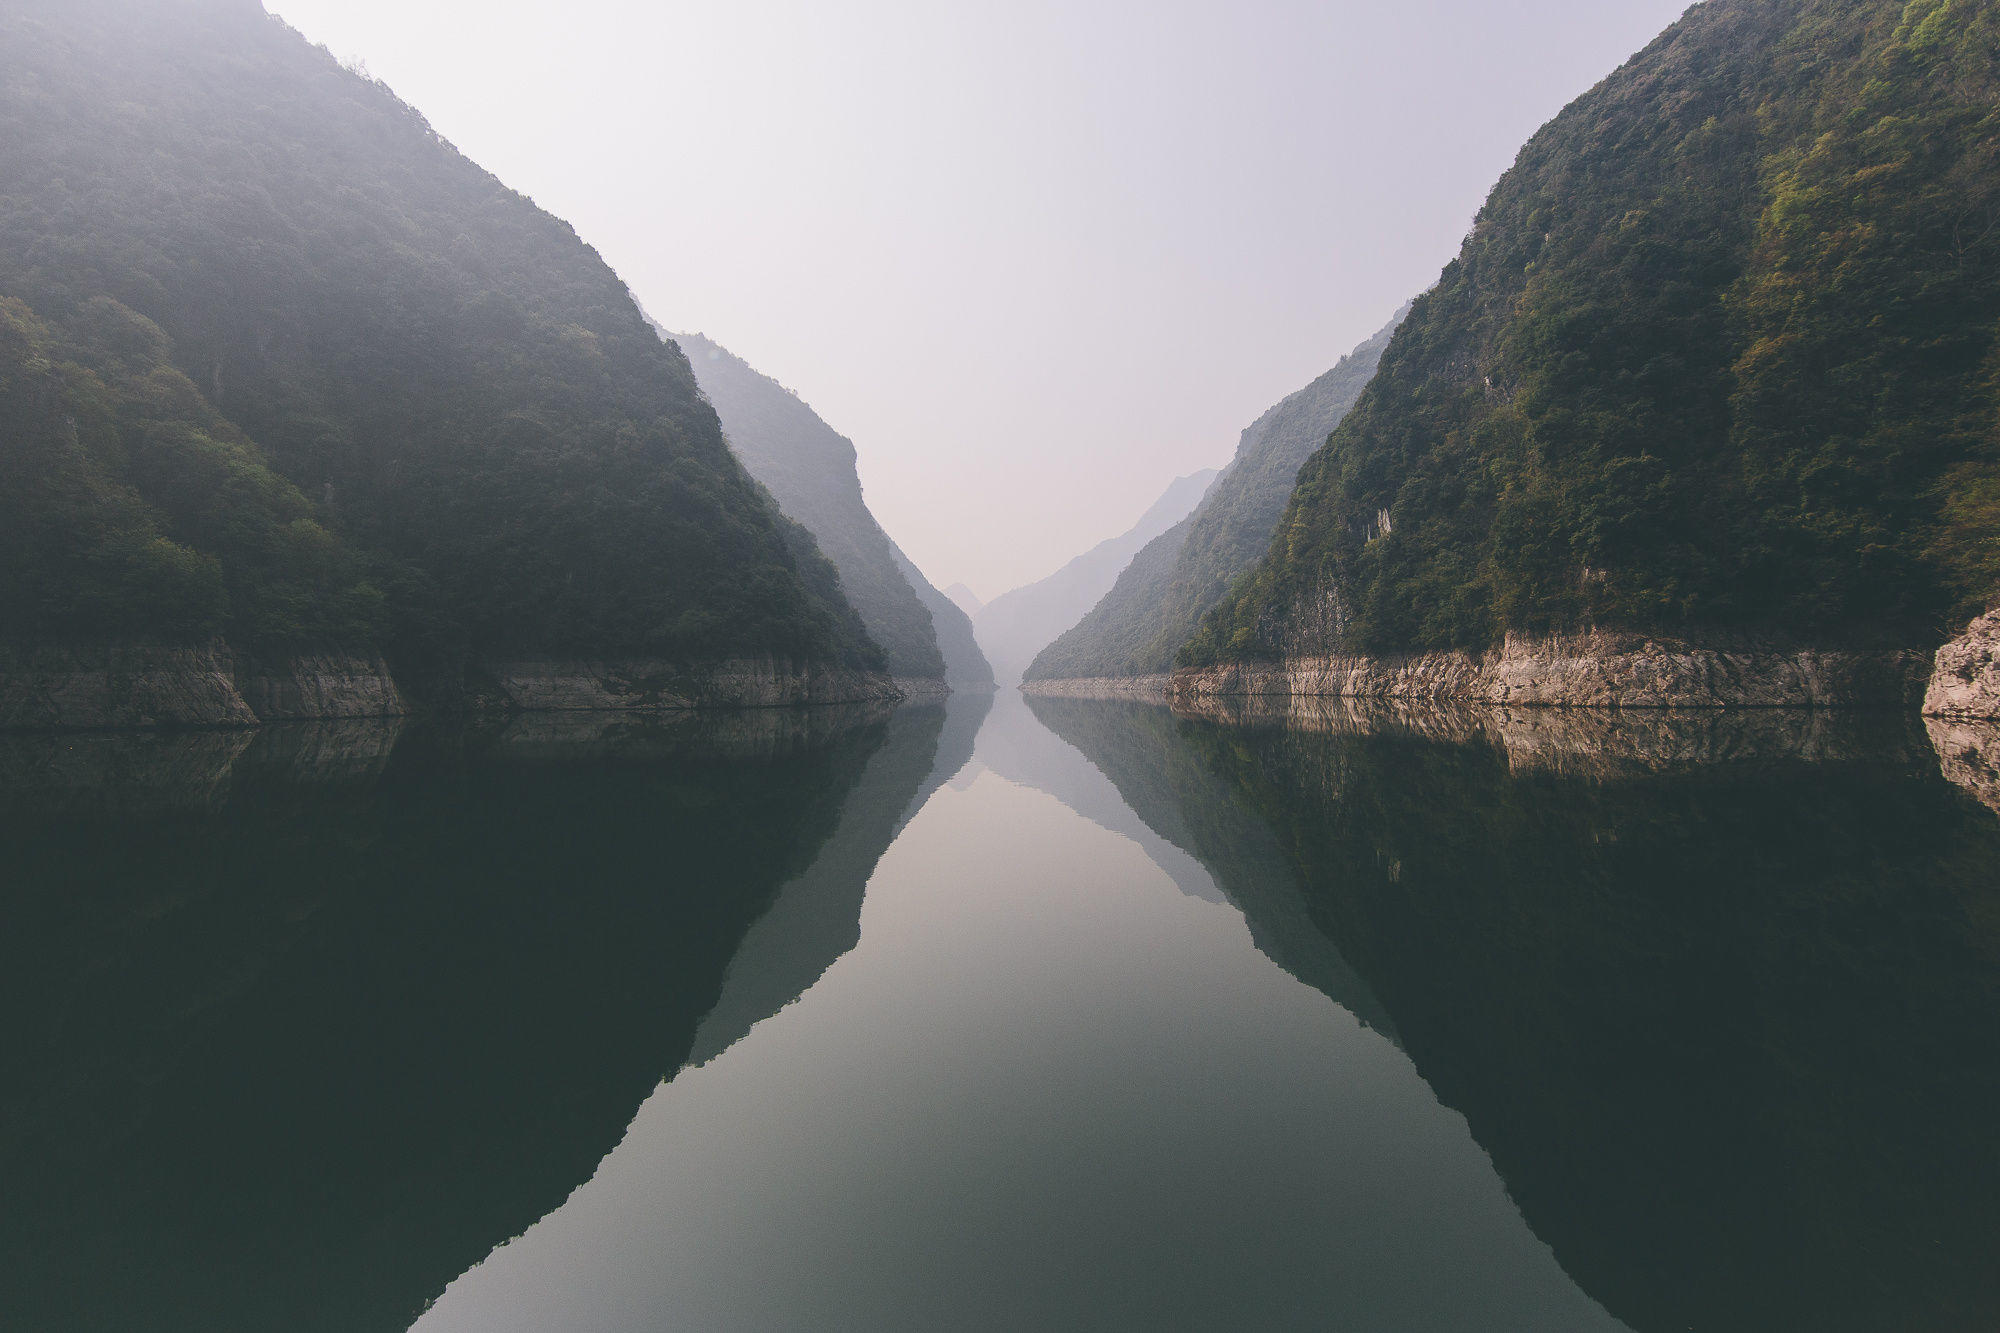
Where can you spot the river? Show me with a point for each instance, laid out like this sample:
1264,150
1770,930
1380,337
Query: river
1011,1014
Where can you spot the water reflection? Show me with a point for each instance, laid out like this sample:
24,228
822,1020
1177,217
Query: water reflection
301,1025
1104,1019
1049,1088
817,916
1719,993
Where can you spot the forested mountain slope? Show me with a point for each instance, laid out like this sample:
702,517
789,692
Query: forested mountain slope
278,364
1158,602
810,469
1017,625
1719,354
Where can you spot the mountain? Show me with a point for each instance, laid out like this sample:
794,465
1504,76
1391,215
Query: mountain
279,365
965,599
1158,602
809,468
1719,355
965,666
1019,624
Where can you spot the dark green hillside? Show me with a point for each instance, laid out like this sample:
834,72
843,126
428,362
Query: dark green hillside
1720,352
129,507
1181,575
332,381
810,470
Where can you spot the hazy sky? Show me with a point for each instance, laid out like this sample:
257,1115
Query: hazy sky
1036,258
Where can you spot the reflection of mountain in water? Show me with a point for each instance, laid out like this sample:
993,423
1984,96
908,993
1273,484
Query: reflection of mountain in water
1165,783
300,1027
1014,746
817,917
1725,1011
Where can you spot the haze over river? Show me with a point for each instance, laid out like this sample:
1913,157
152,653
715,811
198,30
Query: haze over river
1005,1014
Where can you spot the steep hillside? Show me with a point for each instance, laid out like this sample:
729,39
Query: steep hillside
809,468
965,666
1158,602
279,364
1017,625
1719,355
965,599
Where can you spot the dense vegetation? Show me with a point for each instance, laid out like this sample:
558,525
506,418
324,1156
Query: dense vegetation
1720,352
279,363
809,468
1158,602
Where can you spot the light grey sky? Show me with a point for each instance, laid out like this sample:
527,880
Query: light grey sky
1036,257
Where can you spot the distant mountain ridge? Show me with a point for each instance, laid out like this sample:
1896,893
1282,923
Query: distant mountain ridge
1017,625
810,469
1159,600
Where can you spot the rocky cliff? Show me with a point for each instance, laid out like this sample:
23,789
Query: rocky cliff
1965,681
142,687
1595,670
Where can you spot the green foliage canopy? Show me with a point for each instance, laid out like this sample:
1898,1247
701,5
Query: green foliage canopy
381,398
1720,352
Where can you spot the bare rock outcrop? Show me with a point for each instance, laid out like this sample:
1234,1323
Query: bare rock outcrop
1965,679
319,686
67,688
1969,755
1595,670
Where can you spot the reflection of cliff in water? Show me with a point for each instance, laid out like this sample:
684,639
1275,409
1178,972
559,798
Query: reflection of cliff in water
1017,747
817,916
1722,1001
299,1029
1165,783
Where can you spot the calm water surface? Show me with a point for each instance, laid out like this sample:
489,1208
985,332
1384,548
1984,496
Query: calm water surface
1003,1016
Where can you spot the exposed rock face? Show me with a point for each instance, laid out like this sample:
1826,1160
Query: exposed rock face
1969,755
321,685
1149,688
1595,670
655,686
58,689
1966,678
78,688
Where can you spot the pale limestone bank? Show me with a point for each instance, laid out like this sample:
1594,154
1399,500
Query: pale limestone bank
1965,681
1969,755
1594,670
138,687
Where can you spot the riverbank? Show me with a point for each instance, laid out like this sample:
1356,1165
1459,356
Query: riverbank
145,687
